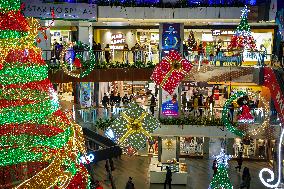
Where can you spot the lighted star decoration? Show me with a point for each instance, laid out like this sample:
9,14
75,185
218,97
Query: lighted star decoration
222,158
132,127
170,71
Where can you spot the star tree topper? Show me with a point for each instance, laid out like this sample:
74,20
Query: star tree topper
170,71
222,158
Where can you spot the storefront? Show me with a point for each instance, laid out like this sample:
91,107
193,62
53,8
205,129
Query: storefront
209,42
122,44
212,42
191,146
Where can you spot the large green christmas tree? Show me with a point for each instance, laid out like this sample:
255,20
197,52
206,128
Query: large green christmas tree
221,180
39,145
242,37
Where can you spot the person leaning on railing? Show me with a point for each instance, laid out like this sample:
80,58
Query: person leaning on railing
107,53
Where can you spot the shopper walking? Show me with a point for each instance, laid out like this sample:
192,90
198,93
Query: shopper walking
129,184
168,178
246,178
240,163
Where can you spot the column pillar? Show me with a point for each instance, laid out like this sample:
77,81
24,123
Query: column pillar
86,34
159,149
230,143
45,45
206,148
177,148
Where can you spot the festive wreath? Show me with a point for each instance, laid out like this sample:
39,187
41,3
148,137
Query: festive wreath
72,61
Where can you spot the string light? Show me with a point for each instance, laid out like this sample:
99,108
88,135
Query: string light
132,127
225,111
170,71
74,74
33,129
242,37
270,172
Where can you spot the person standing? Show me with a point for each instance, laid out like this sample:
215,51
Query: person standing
168,178
125,100
107,53
129,184
200,105
183,101
240,163
246,178
105,101
152,104
112,100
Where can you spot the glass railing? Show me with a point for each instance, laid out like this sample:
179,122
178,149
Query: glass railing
148,59
92,114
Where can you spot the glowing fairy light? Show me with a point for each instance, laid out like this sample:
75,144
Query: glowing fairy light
270,172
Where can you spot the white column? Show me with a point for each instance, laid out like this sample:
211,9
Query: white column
45,45
86,34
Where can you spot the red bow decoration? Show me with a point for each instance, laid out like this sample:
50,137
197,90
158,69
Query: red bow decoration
170,71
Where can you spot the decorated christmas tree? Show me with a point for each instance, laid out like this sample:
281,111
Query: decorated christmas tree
221,179
242,37
40,145
191,41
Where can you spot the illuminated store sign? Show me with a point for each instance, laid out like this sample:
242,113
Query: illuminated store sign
82,11
117,41
222,32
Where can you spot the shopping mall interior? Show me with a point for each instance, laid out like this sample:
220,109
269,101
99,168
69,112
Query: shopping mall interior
182,94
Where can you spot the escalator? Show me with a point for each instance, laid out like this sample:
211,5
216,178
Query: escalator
101,147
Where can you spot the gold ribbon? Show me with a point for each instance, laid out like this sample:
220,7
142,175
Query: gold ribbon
175,65
134,126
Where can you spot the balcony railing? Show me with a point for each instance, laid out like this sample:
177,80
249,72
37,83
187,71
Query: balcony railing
102,117
148,59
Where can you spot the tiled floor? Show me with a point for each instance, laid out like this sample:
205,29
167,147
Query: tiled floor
200,173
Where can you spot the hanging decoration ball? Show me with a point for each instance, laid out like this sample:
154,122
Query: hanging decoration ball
38,40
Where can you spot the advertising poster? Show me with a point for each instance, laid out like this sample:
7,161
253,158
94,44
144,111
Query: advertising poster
170,105
86,94
171,39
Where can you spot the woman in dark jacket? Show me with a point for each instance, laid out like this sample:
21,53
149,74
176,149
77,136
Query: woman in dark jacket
246,178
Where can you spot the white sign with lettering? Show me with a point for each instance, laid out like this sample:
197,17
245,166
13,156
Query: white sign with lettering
81,11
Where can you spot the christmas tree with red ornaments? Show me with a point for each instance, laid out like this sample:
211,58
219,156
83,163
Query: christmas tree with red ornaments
40,146
242,38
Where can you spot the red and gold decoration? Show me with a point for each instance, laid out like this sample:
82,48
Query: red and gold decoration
40,145
133,127
170,71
